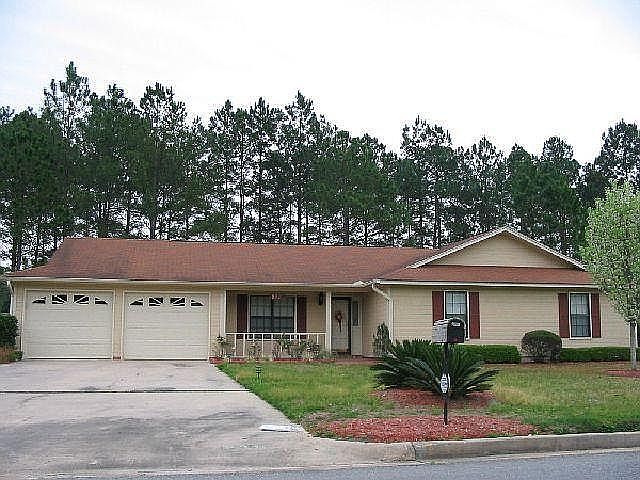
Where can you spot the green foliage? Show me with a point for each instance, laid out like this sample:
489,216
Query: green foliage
419,364
8,330
16,356
302,391
103,164
542,345
595,354
612,253
493,353
381,340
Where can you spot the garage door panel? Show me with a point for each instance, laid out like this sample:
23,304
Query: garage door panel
68,330
166,326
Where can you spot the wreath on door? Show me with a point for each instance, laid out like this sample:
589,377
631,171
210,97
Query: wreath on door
339,319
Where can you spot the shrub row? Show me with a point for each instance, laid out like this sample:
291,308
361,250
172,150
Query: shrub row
494,353
595,354
8,330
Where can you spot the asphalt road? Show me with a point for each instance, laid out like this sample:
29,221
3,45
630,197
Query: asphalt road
617,465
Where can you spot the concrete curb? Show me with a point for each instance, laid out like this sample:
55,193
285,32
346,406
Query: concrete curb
479,447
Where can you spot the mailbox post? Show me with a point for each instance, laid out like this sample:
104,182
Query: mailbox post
447,331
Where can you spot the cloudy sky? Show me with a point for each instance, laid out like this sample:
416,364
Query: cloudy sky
513,70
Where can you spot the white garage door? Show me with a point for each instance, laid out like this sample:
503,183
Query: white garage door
166,326
68,324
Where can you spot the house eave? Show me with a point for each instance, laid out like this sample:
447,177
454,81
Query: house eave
221,284
481,284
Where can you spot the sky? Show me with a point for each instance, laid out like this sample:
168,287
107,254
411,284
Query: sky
516,71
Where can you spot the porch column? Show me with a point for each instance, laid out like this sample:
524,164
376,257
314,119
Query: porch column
327,319
222,326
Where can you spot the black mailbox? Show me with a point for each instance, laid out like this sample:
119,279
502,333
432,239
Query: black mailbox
450,330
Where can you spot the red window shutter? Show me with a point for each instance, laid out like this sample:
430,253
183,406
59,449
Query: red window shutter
302,314
563,315
474,315
596,325
437,305
241,313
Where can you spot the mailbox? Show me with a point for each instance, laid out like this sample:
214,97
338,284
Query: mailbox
450,330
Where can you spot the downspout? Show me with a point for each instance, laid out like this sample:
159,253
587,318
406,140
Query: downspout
389,300
12,304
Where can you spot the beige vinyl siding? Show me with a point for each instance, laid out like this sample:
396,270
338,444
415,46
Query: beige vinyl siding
375,312
506,314
18,292
502,250
412,312
315,314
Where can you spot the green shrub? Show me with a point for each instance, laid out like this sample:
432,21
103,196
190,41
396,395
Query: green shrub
16,356
381,340
595,354
494,353
418,364
8,330
542,346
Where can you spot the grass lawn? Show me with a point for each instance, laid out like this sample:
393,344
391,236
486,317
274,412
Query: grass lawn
554,398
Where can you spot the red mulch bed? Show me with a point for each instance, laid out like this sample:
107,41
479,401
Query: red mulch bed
624,373
409,397
425,428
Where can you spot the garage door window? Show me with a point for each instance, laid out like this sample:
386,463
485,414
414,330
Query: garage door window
178,301
156,301
138,302
40,300
196,303
59,298
99,301
81,299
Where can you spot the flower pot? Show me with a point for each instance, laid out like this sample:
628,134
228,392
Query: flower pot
216,360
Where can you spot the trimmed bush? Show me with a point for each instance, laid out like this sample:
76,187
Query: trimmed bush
494,353
542,346
8,355
381,340
595,354
8,330
418,364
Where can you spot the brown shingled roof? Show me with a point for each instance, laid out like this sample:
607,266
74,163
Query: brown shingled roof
163,260
473,274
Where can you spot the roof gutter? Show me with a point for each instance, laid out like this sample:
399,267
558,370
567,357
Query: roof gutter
436,283
389,300
357,284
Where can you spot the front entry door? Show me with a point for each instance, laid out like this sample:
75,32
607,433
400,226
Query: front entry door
356,328
340,325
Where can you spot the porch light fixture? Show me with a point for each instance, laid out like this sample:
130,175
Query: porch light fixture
320,298
275,297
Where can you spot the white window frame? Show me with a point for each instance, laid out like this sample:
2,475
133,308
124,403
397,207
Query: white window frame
444,309
571,337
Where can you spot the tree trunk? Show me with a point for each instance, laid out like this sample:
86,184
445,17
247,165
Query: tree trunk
633,345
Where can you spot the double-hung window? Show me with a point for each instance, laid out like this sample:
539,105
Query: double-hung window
455,306
271,315
580,315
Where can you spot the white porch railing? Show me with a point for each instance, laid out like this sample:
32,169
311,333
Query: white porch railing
240,343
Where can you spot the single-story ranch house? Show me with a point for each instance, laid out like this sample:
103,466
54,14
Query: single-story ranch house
155,299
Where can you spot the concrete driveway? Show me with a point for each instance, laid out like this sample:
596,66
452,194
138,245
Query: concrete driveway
104,418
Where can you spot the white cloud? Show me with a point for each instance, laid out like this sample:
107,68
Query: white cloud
515,71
